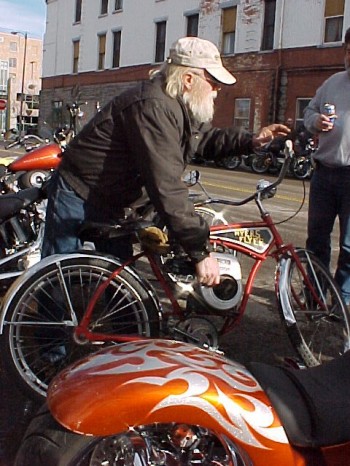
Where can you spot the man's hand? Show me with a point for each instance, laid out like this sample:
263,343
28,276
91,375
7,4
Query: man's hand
268,133
208,272
324,123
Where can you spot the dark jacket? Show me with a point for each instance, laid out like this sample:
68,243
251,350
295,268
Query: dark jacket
145,138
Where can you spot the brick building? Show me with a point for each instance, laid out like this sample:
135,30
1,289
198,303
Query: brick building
279,50
20,78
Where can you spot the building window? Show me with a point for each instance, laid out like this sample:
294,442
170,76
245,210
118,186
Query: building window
334,16
4,70
118,5
104,7
301,105
57,113
101,51
13,46
76,45
269,25
192,25
242,113
229,17
160,41
13,62
78,4
117,35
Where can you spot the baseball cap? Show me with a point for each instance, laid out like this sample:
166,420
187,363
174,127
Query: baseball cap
200,53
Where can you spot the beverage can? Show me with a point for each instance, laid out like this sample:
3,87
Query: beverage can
329,110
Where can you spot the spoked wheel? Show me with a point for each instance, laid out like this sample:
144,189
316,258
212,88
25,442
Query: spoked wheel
39,334
48,443
316,318
261,163
302,168
232,162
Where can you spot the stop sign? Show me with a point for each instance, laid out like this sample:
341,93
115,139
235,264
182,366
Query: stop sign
3,104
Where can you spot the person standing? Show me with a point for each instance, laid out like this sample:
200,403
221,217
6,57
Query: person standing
329,196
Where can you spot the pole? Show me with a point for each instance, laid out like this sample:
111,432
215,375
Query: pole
22,89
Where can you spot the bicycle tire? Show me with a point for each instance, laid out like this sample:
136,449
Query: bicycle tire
318,335
38,338
46,442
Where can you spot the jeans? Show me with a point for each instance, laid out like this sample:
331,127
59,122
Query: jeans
65,214
330,198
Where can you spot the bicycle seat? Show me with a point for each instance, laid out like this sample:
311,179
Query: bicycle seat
91,231
11,204
313,404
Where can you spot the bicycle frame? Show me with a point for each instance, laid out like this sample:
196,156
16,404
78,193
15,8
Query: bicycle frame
257,240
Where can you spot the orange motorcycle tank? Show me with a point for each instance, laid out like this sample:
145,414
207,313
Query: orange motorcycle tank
45,158
162,381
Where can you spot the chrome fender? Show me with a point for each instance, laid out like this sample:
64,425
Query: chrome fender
163,381
282,274
54,259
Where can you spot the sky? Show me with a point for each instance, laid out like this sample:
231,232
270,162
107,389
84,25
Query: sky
23,16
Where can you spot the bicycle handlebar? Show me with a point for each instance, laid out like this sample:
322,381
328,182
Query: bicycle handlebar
288,153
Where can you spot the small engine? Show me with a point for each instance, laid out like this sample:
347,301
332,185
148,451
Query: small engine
223,297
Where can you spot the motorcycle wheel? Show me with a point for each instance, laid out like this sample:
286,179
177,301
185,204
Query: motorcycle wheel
33,179
38,340
48,443
317,334
231,163
261,163
302,168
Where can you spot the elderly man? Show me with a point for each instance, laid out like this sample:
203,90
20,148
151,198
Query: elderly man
144,138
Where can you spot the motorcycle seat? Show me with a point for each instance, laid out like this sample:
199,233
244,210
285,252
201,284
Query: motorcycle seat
313,404
11,204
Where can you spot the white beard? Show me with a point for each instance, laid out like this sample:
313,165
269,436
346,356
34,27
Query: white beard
200,105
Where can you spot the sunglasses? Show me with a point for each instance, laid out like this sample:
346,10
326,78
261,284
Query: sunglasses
216,85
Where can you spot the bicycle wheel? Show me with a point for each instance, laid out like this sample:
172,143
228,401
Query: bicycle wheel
316,318
39,339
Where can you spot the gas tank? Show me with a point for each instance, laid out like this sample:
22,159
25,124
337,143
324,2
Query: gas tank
45,158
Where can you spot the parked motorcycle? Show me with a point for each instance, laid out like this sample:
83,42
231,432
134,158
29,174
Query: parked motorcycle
33,168
157,402
22,217
270,158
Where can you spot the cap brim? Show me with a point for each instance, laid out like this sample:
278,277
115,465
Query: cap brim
222,75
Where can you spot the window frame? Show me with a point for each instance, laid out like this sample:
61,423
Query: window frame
116,52
104,8
333,17
192,23
118,5
159,53
102,42
78,11
237,119
269,26
76,52
228,32
299,110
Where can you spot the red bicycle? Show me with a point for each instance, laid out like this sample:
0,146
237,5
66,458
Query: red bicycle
70,305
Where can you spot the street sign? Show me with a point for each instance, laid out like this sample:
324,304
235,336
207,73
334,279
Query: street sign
3,104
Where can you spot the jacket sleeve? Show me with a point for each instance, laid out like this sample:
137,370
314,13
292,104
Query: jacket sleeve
313,110
222,142
155,138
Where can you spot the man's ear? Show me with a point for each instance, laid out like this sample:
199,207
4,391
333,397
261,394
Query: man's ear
187,80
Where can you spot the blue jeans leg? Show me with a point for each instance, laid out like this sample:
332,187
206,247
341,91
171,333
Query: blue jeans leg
64,216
